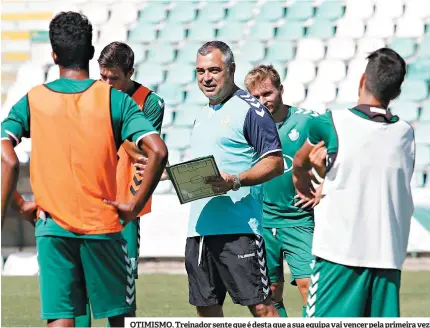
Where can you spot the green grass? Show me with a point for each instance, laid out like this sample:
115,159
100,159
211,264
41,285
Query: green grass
167,295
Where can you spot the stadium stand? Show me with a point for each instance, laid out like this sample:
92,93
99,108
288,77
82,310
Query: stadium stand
319,48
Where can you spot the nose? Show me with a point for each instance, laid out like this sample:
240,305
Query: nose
262,100
109,81
207,76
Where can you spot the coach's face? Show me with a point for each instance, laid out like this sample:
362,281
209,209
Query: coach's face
268,94
213,77
115,77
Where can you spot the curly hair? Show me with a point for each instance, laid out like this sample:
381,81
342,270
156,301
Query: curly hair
71,36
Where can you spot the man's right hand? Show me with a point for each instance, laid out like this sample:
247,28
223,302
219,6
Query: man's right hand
28,211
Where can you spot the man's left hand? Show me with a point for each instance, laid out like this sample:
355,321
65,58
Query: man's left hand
221,184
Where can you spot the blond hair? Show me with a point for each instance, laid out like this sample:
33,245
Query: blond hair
260,73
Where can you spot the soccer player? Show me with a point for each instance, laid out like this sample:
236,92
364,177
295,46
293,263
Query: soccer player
288,222
364,216
225,249
76,126
116,63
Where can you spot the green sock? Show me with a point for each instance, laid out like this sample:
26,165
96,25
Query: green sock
304,311
281,309
84,320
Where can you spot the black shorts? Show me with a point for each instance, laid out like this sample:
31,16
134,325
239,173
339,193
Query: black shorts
227,263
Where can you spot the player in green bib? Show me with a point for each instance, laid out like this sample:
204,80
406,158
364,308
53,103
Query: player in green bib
288,221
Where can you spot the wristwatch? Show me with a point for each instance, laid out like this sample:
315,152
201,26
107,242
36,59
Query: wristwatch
236,183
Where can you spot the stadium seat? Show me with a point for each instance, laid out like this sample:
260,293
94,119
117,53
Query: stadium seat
178,138
30,73
7,26
242,68
425,111
321,92
419,70
186,118
271,11
231,32
301,70
174,156
182,12
380,27
163,187
188,53
331,70
417,9
280,51
391,9
330,10
290,30
406,110
252,51
340,48
180,73
367,45
424,48
350,28
360,10
110,33
21,264
422,133
422,156
136,34
340,106
172,93
300,11
211,12
310,49
172,32
262,31
294,92
320,28
43,36
153,13
195,96
356,69
118,9
16,44
409,27
241,12
348,91
94,69
96,14
167,119
201,31
405,47
149,74
414,90
161,53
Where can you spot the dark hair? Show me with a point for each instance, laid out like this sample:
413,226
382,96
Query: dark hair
385,73
227,54
71,37
117,54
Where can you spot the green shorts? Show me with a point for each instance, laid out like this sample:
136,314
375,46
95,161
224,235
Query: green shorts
71,270
295,245
131,234
337,290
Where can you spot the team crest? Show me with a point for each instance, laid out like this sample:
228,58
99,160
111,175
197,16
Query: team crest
294,134
226,121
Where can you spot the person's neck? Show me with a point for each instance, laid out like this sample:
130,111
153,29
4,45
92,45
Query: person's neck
75,73
129,85
370,100
232,89
281,114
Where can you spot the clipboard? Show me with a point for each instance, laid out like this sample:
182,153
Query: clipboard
188,178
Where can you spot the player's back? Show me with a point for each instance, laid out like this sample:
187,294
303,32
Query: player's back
74,154
367,203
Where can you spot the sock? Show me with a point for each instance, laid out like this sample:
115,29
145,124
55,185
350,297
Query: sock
304,311
281,309
84,320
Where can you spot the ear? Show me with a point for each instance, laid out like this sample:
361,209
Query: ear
233,68
54,57
130,73
363,81
281,87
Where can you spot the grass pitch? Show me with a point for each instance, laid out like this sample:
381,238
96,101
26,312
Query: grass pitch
165,295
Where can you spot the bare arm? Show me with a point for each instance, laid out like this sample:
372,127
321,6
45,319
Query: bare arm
302,171
266,169
10,173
